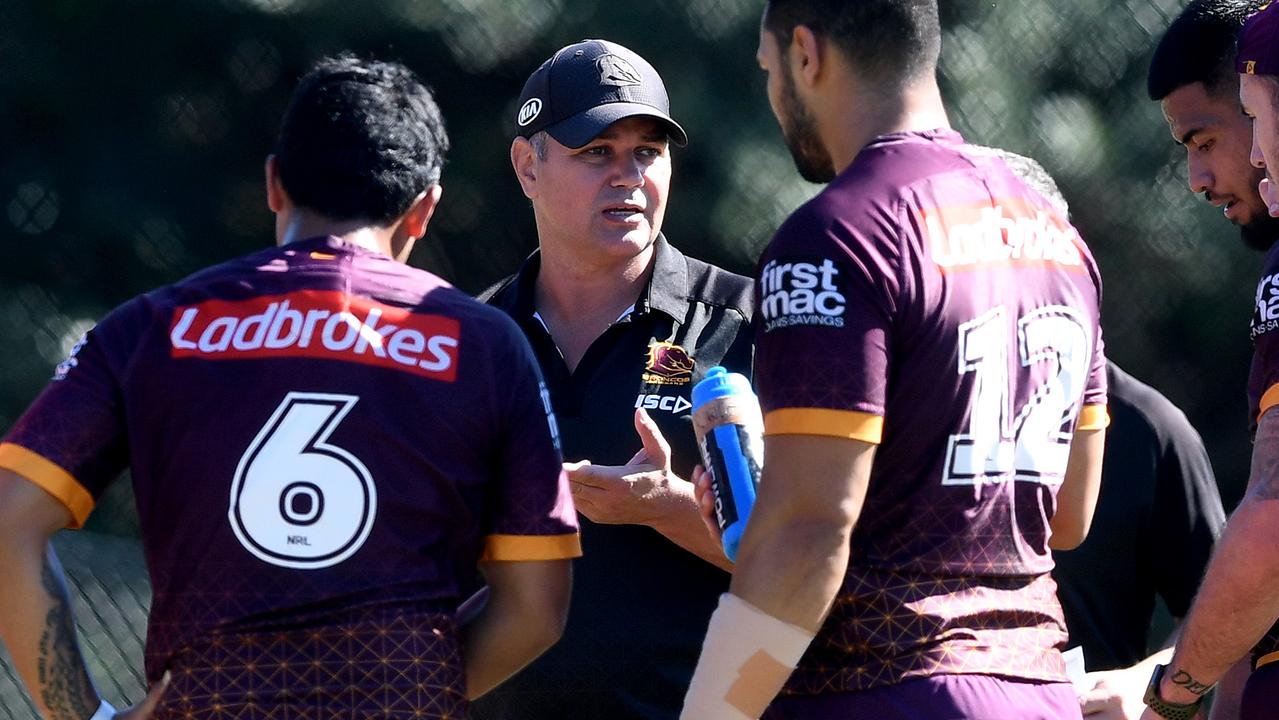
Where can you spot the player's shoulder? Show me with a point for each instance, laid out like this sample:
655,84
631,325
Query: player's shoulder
866,200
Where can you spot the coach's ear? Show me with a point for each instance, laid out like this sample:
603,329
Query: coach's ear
523,157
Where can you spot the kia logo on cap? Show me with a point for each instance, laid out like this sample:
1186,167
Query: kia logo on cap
529,111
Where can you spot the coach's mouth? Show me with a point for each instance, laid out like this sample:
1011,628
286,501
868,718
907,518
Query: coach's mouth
628,213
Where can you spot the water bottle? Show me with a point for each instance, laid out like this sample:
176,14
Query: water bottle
730,434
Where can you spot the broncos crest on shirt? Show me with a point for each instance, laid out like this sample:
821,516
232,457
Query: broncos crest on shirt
329,441
929,302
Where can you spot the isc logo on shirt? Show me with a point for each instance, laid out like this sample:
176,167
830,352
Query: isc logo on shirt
318,324
801,291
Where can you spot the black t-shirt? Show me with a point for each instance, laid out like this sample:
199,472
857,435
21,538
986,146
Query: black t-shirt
640,603
1157,518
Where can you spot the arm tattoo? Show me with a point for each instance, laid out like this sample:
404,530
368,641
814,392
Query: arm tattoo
65,686
1182,678
1265,466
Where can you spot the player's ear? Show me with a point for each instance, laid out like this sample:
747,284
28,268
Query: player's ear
524,161
419,214
805,54
276,197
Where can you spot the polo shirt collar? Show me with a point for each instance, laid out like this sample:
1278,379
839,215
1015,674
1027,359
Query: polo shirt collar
667,289
666,292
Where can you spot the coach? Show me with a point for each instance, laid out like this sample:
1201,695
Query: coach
623,325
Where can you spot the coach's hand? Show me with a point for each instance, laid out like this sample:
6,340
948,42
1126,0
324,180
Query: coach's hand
644,491
144,709
641,492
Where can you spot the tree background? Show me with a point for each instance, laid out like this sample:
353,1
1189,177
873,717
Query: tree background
133,132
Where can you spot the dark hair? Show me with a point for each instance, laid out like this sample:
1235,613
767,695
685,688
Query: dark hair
1199,47
888,40
360,140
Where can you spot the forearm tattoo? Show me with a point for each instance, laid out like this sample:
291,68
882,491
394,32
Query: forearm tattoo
65,686
1183,679
1266,464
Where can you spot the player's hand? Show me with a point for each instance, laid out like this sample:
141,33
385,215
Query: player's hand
1115,694
144,709
706,501
635,493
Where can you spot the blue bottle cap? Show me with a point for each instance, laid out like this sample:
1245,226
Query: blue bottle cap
719,383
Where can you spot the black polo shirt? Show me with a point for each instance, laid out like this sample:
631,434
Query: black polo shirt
1157,518
640,603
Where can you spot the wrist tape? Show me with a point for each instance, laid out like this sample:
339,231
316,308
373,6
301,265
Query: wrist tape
746,658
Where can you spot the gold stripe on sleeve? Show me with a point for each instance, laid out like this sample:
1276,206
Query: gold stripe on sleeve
531,547
1268,400
51,478
1266,660
850,424
1093,417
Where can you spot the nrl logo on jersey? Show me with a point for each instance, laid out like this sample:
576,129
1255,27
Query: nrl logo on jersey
668,364
801,291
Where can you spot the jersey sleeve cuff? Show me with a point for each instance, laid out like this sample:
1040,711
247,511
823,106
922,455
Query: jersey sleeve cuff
849,424
1268,400
1093,417
514,548
49,477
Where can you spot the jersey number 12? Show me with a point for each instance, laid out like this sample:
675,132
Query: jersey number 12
1034,443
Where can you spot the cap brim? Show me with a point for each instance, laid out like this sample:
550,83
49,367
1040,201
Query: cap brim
576,131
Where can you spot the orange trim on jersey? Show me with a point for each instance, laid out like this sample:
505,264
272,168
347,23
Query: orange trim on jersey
531,547
1266,660
1093,417
1268,400
850,424
51,478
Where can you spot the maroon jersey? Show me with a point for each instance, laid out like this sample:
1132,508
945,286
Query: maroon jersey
1263,386
930,302
324,443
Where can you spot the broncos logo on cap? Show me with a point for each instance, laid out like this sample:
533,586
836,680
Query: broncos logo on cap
616,71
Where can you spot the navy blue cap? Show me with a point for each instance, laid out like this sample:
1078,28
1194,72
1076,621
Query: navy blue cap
587,86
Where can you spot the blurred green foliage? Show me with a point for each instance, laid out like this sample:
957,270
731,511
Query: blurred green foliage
132,136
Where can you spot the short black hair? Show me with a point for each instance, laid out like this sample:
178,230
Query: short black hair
1199,47
889,40
360,140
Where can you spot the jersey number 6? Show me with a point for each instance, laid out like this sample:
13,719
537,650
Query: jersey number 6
297,501
1033,445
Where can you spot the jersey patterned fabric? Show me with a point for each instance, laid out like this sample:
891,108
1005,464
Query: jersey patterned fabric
1263,389
324,443
930,302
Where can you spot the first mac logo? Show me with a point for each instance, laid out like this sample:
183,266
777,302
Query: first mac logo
321,325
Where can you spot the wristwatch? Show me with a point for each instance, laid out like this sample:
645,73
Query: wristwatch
1163,708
